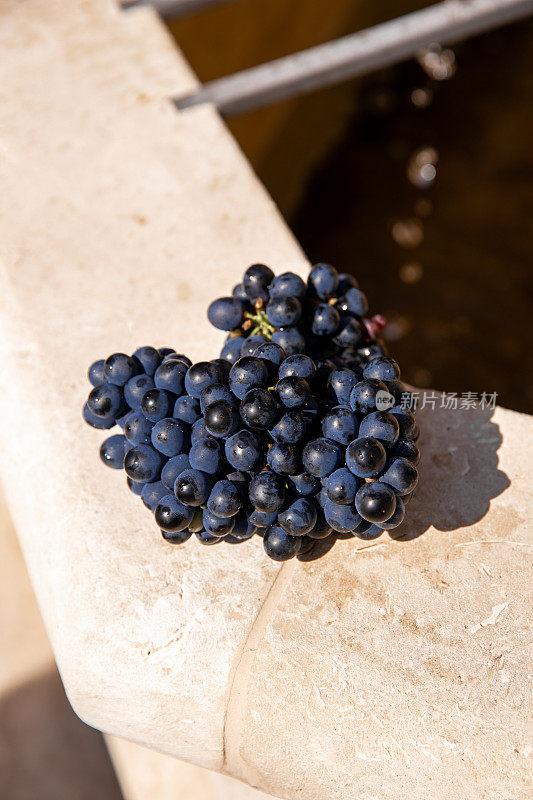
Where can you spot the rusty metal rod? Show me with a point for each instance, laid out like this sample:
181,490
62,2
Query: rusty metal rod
356,54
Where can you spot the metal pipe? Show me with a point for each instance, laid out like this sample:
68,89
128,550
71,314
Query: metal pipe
356,54
173,8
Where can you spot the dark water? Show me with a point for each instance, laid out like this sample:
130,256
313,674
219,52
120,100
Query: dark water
446,253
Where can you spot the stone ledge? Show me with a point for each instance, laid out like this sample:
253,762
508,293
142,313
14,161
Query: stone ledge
120,219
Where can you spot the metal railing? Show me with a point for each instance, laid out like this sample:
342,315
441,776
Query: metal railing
350,56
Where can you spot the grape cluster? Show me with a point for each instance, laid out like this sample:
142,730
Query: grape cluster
327,318
299,434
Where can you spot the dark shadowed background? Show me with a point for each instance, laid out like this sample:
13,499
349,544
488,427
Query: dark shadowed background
417,180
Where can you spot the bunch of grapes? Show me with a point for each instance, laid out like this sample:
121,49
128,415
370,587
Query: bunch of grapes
298,435
327,318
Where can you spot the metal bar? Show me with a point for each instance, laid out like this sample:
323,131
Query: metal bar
356,54
173,8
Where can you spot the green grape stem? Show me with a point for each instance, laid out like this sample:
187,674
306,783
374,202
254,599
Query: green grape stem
261,324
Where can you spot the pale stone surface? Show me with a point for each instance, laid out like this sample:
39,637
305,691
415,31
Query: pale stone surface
45,750
120,219
399,669
359,675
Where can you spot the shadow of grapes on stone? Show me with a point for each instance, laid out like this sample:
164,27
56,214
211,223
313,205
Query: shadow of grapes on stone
458,471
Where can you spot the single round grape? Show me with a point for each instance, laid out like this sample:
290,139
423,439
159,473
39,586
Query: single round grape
221,419
177,537
95,373
364,393
323,280
375,502
171,515
169,436
406,420
401,474
226,313
231,351
149,359
291,340
112,451
243,451
214,393
382,369
304,484
243,528
382,426
290,428
170,375
288,285
340,385
299,518
258,409
267,491
321,529
284,311
215,525
192,487
96,422
199,431
293,392
365,457
341,486
224,368
273,355
187,409
342,518
326,320
397,518
353,302
173,468
250,344
106,401
200,376
225,499
297,366
263,519
405,449
138,429
135,389
247,373
152,493
321,457
239,292
280,545
256,281
135,487
367,531
156,404
205,455
119,368
143,464
340,425
284,459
